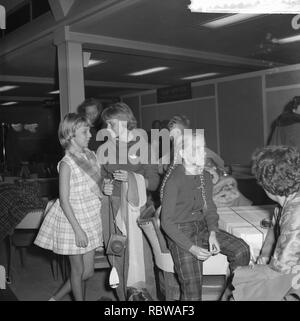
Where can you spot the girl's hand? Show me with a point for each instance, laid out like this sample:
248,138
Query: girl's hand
81,238
214,246
108,187
120,175
199,252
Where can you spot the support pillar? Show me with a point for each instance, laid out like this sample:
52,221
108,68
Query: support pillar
71,77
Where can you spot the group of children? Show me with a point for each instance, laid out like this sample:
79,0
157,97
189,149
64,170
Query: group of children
73,224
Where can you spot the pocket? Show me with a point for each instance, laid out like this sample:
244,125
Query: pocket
189,229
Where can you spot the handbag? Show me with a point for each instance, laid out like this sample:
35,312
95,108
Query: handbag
117,242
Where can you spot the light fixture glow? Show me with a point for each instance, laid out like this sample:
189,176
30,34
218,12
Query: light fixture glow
201,76
245,6
9,103
287,40
93,62
148,71
6,88
228,20
54,92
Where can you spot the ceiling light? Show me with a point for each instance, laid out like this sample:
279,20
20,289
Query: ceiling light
228,20
147,71
88,62
287,40
245,6
93,62
9,103
54,92
201,76
6,88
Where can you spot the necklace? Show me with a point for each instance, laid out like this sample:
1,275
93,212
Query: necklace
193,170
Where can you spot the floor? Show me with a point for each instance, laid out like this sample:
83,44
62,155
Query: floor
35,282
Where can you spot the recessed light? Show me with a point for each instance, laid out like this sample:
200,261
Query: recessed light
54,92
201,76
9,103
287,40
6,88
228,20
147,71
245,6
93,62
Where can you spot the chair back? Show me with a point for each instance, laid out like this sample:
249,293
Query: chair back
162,255
215,265
34,218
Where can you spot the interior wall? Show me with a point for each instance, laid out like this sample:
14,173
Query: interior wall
134,103
201,112
40,146
237,116
240,118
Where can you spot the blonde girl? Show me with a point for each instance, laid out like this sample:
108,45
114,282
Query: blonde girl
72,225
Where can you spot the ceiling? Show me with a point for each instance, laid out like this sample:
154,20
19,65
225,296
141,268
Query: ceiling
133,35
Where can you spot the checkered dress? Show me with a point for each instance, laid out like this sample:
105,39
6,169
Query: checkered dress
56,232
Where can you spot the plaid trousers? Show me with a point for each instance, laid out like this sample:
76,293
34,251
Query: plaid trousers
189,269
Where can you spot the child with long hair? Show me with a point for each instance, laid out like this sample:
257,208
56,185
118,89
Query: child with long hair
72,225
190,220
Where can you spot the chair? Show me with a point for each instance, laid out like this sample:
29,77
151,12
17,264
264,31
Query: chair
23,237
214,269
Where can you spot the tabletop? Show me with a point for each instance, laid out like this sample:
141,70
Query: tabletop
245,222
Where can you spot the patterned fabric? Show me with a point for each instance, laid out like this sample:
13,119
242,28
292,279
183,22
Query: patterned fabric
287,251
273,281
56,233
189,269
16,200
260,283
88,163
226,193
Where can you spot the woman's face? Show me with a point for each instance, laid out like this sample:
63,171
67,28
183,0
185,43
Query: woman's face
272,197
91,113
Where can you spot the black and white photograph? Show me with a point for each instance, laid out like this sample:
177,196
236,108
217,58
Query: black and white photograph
150,151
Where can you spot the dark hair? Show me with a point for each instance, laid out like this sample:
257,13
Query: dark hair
156,122
89,102
120,111
277,169
292,105
164,123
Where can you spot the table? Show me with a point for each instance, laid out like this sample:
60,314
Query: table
244,222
